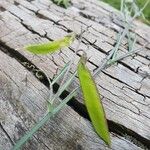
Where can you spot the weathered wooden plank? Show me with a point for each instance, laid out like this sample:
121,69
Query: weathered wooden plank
132,113
4,140
78,21
126,94
24,103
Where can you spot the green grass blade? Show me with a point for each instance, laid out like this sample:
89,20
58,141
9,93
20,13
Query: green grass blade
51,47
30,133
66,3
93,102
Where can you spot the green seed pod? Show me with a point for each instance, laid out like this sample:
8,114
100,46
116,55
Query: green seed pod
51,47
93,101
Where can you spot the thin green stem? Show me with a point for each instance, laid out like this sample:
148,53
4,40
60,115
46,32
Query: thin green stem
110,62
121,6
102,66
110,59
121,36
64,87
140,11
30,133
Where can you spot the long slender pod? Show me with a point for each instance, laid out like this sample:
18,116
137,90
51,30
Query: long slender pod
93,101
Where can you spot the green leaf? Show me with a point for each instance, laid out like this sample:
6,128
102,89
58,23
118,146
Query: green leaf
51,47
64,3
93,101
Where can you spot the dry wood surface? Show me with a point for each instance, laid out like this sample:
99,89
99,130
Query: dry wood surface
125,87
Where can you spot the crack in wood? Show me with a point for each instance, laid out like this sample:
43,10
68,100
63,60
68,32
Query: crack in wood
138,113
68,31
30,28
11,141
79,107
118,23
56,63
2,9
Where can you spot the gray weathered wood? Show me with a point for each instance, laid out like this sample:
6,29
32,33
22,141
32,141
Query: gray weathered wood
22,104
125,90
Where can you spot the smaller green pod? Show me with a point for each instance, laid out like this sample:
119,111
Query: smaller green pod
51,47
93,101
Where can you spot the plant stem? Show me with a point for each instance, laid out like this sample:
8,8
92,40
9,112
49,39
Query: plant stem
30,133
125,55
110,59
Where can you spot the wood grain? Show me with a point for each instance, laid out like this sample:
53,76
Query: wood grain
124,87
